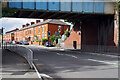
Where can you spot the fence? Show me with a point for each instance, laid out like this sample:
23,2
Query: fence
23,51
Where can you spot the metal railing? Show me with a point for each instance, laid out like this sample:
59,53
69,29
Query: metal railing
23,51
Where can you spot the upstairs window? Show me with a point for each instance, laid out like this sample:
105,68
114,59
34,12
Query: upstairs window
39,29
34,30
42,29
45,28
26,32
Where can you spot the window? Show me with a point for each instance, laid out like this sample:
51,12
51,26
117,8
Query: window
31,38
34,38
39,29
26,32
42,29
34,30
43,36
39,37
45,28
30,31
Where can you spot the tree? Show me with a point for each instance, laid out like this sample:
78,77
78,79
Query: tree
76,23
52,38
44,40
9,11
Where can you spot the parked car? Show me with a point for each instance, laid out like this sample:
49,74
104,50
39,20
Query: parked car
21,42
4,42
48,45
14,42
17,42
7,41
25,43
10,42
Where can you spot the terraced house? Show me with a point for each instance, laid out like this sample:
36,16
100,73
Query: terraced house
38,30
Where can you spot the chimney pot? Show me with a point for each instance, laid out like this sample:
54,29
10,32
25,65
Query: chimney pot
37,21
27,24
23,26
32,23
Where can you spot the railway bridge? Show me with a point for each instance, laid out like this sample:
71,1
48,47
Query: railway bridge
96,19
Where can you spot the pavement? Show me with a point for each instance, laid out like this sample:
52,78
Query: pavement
62,64
78,51
15,67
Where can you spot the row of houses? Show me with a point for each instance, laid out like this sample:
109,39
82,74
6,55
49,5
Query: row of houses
36,30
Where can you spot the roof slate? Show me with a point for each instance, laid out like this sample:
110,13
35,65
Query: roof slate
49,21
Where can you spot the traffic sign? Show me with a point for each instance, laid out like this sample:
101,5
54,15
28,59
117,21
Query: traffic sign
48,33
1,31
57,33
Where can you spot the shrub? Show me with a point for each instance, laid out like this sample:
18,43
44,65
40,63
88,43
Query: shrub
37,40
44,40
52,38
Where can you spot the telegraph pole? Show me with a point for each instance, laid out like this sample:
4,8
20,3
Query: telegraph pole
48,32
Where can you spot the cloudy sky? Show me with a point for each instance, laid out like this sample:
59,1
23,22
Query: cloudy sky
12,23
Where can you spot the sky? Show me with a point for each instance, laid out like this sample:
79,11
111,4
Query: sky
12,23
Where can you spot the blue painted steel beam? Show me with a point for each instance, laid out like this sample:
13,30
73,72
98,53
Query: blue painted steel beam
58,5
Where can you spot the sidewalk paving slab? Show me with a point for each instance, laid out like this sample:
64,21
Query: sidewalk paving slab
16,67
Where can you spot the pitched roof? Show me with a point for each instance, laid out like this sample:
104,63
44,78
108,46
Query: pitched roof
49,21
12,31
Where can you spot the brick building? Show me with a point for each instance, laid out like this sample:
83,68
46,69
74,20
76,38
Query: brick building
98,33
38,30
9,35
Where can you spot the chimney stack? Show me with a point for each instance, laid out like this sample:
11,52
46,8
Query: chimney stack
27,24
32,23
23,26
37,21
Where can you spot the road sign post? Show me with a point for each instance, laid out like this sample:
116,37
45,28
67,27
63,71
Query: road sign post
1,33
48,32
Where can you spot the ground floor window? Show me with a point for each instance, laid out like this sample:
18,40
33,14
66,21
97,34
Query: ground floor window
39,37
43,35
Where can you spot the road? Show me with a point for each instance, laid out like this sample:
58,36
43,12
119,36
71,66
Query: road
15,67
74,64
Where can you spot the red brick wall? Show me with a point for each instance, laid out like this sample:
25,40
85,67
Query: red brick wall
89,32
74,36
54,28
115,33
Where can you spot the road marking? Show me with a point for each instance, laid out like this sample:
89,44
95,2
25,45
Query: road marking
103,62
114,56
68,55
59,54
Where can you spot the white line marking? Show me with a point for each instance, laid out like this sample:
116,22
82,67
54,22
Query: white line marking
37,71
103,62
